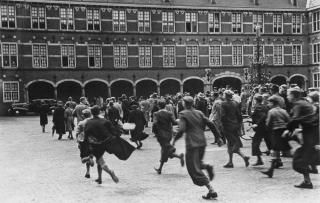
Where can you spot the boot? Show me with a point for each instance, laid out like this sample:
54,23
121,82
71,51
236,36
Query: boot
269,172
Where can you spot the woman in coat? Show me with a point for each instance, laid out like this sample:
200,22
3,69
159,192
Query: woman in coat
69,120
43,111
136,116
59,120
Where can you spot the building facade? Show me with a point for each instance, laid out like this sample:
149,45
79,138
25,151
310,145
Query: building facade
56,49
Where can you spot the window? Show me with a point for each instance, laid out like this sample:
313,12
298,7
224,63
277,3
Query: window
255,53
192,56
237,55
68,56
316,53
296,23
119,21
39,54
236,22
10,91
9,55
316,21
8,16
214,22
277,55
145,56
316,80
215,55
257,21
66,19
38,17
191,22
169,56
93,19
167,22
144,21
296,54
277,23
94,56
120,56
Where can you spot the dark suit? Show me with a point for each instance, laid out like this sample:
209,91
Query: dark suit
136,116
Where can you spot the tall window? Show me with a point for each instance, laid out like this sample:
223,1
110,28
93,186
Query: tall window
237,55
119,20
9,55
215,55
277,55
120,54
145,56
277,23
93,19
192,56
39,54
94,56
316,21
236,22
191,22
257,19
214,22
296,23
66,19
38,17
144,21
316,53
316,80
10,91
169,56
68,57
8,16
296,54
167,21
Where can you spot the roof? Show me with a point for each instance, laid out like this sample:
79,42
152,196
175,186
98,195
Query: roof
312,4
202,4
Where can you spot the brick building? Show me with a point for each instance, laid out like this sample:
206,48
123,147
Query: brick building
56,49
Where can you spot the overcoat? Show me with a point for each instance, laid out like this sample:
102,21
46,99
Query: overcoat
136,116
59,120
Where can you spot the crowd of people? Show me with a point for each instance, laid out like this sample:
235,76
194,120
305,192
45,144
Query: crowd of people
279,114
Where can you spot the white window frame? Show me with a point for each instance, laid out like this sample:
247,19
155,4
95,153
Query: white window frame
236,57
316,79
316,53
8,16
169,56
117,14
143,56
296,55
33,56
236,22
11,92
38,17
67,9
212,56
192,22
212,22
316,21
276,23
68,55
17,53
255,22
121,57
192,56
167,22
95,56
295,24
91,18
275,61
145,21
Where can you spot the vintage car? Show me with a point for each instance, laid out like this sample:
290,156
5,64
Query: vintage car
32,107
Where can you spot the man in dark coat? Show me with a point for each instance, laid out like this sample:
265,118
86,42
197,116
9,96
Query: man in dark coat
162,128
193,123
113,114
58,120
136,116
125,107
43,112
202,104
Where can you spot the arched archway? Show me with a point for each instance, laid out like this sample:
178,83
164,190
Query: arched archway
96,89
121,87
169,86
299,80
193,86
67,89
145,88
40,90
224,82
279,80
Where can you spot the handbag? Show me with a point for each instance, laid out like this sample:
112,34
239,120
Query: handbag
119,147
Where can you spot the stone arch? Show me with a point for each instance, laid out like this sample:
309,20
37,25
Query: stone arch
169,86
40,89
145,87
94,80
69,80
121,86
122,79
69,88
298,79
95,89
193,85
40,80
228,81
278,79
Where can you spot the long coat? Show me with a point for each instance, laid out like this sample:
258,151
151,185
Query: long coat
69,119
136,116
43,111
59,121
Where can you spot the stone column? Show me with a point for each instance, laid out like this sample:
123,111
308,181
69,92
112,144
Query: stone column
55,92
181,88
26,94
83,92
134,91
109,91
158,89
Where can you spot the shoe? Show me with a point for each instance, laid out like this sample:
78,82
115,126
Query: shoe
139,146
305,185
258,163
210,195
246,161
228,165
59,138
182,159
87,176
99,181
210,172
269,173
114,177
158,171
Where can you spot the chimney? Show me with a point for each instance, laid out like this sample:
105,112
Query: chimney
256,2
